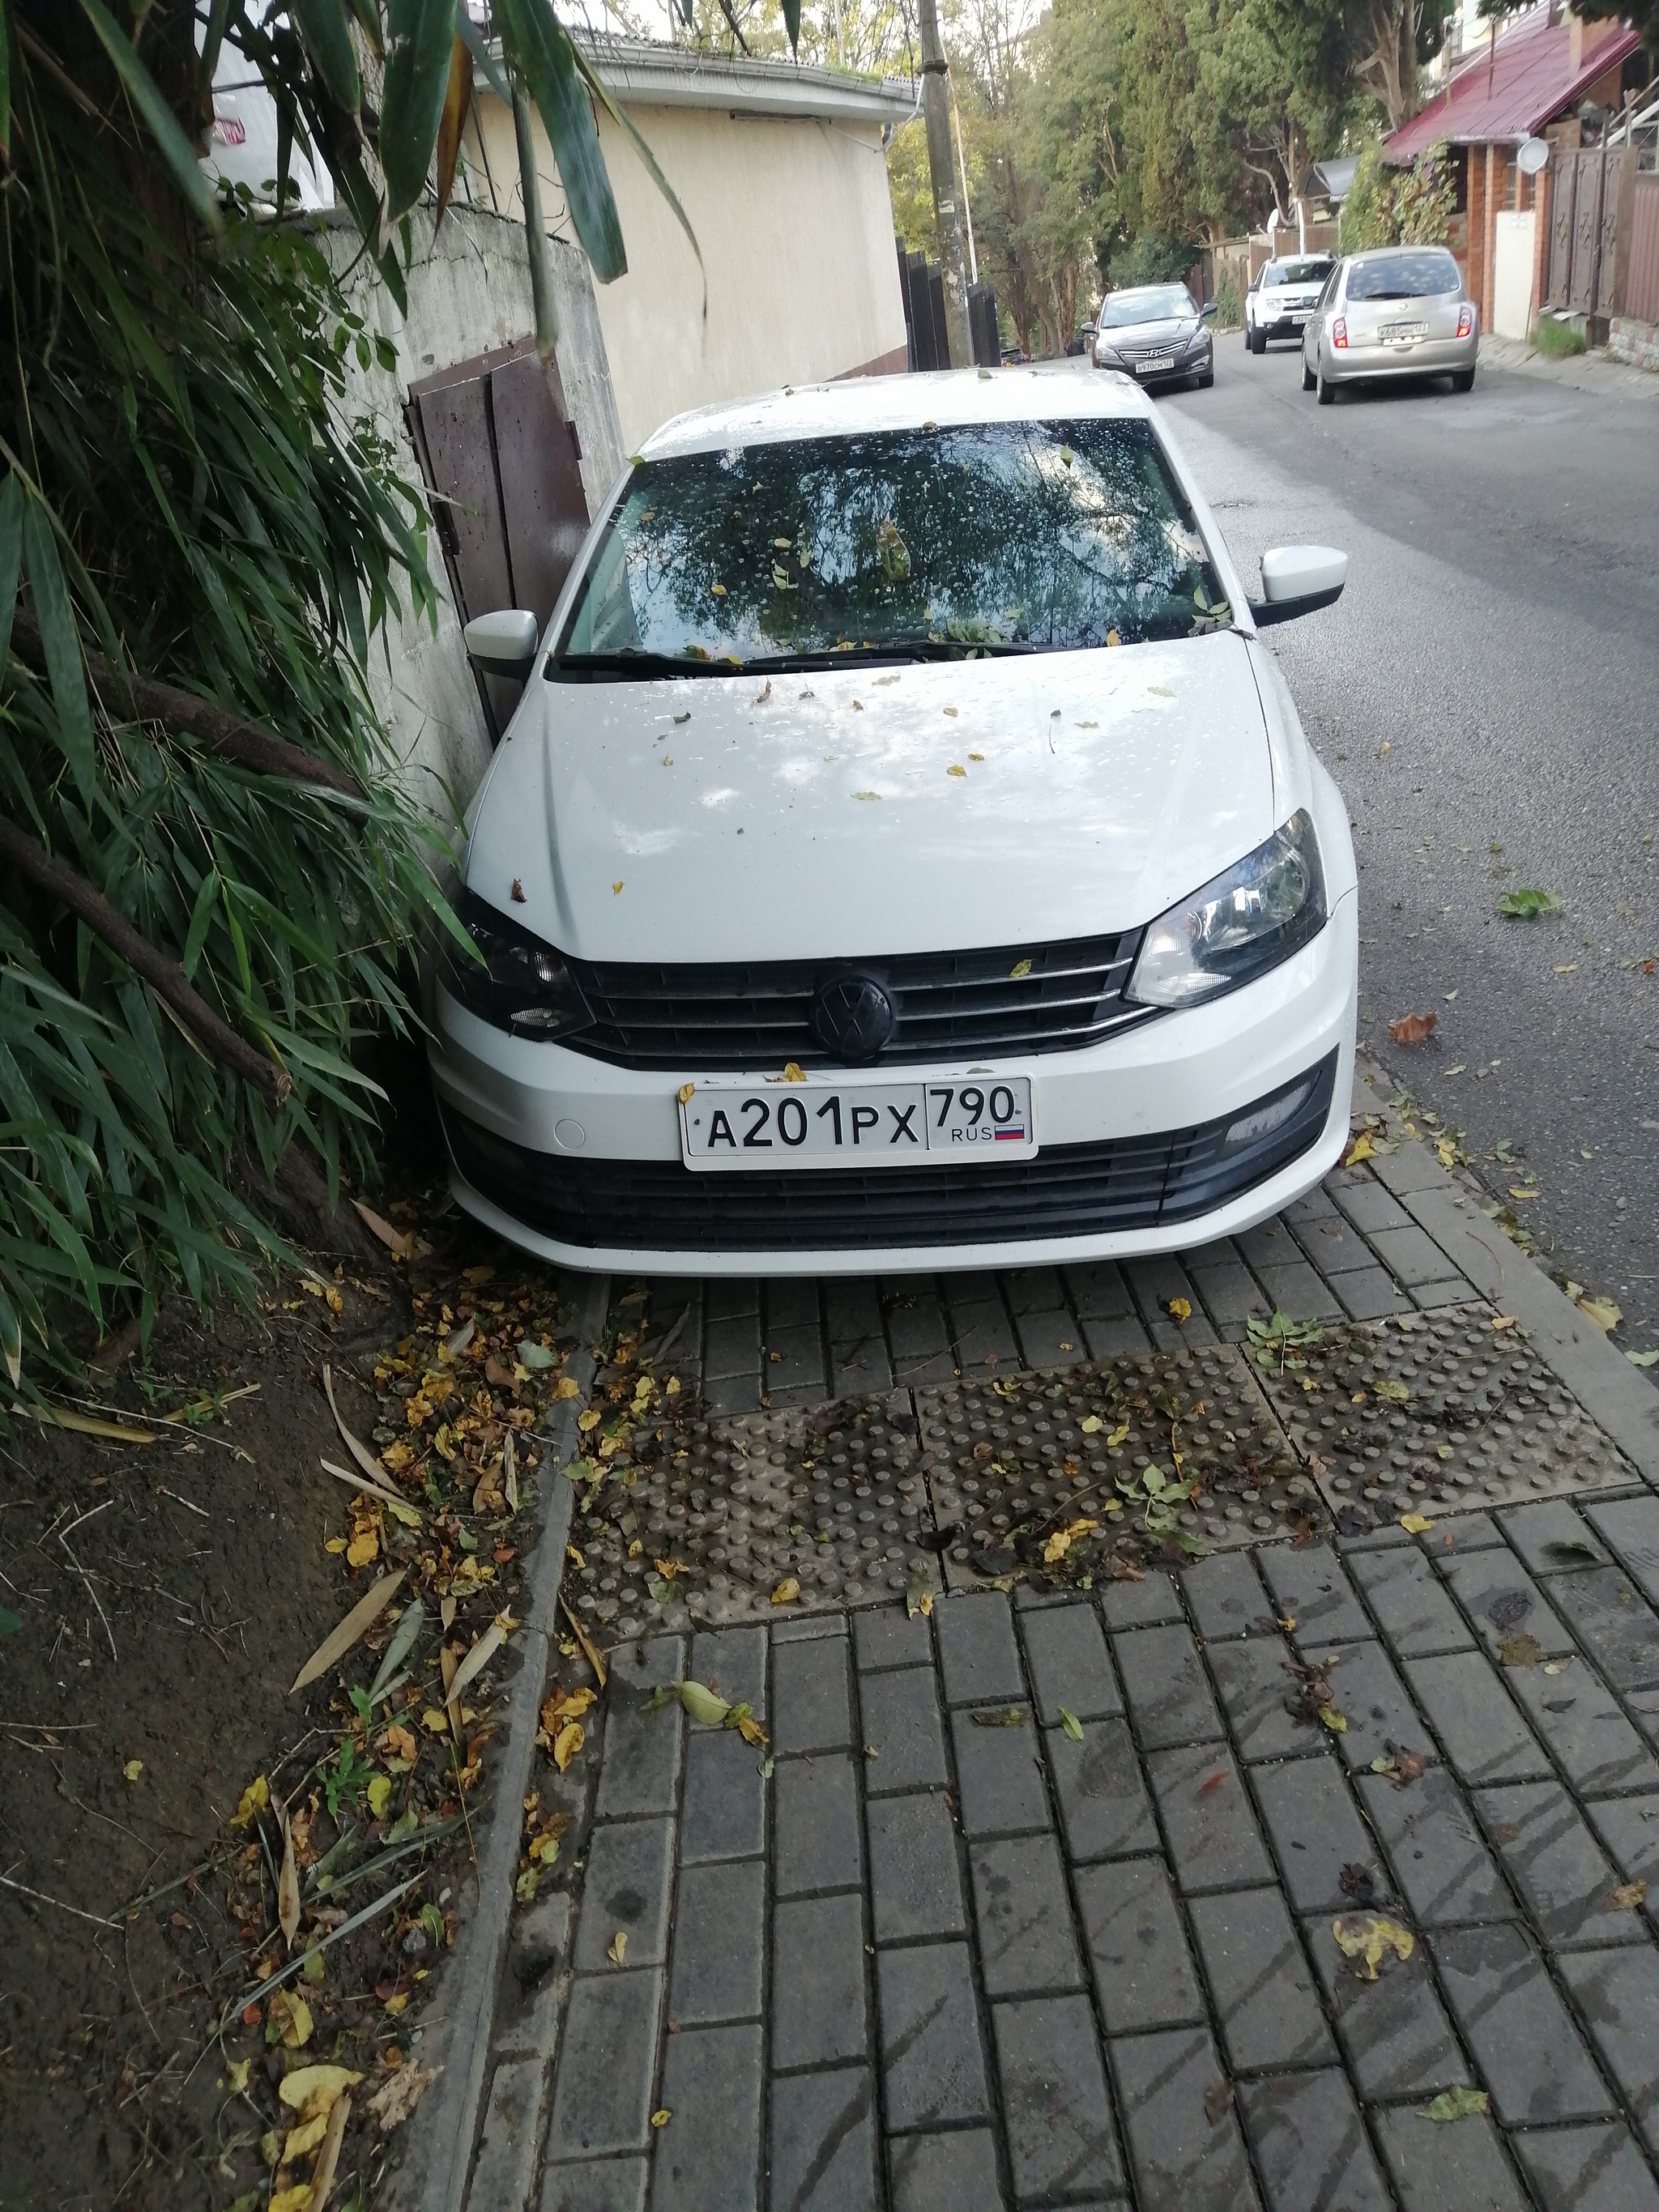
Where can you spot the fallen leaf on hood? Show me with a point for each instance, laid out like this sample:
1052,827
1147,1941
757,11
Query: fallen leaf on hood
954,769
1019,971
1413,1029
1367,1937
615,888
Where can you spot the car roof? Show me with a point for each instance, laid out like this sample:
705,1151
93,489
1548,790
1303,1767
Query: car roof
1394,252
944,398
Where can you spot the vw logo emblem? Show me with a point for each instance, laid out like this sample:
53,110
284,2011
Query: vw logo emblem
853,1018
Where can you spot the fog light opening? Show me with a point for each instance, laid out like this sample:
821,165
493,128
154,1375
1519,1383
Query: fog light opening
1261,1121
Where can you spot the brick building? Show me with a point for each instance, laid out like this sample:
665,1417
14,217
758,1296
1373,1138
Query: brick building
1532,80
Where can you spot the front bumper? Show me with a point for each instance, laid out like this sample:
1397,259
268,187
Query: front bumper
1427,357
1198,363
1290,325
579,1161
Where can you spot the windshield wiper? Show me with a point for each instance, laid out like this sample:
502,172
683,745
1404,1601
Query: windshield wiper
577,667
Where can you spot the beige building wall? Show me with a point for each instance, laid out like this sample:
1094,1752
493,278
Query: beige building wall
795,223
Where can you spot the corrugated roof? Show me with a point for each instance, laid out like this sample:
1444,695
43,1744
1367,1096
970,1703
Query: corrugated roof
1507,94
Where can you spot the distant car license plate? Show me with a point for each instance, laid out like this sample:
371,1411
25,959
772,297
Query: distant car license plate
1300,315
1400,333
819,1124
1156,365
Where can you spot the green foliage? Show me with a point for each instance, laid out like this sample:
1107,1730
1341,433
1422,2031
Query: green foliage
1557,338
1426,198
183,492
1228,304
1151,261
1367,217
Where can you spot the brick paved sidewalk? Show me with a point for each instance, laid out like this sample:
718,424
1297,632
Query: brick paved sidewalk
939,1946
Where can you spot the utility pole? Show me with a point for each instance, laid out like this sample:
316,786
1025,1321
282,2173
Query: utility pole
941,166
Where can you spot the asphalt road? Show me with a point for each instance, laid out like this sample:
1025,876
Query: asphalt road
1487,693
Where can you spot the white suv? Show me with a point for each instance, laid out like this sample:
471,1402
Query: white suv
1283,296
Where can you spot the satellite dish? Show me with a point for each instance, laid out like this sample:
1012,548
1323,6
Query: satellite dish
1532,155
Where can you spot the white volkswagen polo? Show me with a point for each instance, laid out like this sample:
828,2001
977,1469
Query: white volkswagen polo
905,854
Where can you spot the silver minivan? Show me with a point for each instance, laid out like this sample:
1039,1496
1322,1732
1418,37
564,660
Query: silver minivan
1394,311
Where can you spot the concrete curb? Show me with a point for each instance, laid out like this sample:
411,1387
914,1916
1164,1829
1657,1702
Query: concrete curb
435,2154
1592,371
1614,1392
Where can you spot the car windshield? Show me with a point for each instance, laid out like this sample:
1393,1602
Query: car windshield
1156,304
912,544
1313,271
1404,276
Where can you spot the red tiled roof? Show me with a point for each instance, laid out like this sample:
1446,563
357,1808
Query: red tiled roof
1505,95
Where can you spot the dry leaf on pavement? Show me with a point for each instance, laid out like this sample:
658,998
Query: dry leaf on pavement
1627,1897
398,2096
617,1949
1459,2103
1367,1937
1413,1029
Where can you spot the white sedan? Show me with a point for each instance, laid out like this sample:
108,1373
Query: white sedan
905,854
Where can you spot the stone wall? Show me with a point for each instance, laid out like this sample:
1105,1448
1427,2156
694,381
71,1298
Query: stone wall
1636,343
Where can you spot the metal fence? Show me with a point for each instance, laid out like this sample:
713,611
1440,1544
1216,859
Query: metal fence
926,344
1603,256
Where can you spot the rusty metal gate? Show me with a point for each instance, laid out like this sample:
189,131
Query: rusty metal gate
501,457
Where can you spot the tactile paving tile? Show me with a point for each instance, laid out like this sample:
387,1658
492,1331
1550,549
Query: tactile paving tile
1438,1410
831,1496
1012,1461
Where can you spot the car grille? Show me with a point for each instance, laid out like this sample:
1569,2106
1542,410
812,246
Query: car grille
1069,1190
948,1005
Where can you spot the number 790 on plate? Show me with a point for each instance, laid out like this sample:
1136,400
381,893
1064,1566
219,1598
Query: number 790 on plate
774,1124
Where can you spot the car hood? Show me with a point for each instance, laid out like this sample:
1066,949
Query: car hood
1164,332
864,812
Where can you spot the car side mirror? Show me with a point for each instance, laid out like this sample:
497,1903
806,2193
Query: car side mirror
1297,579
1088,330
503,643
1207,310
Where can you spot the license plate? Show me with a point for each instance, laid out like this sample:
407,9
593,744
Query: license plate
1400,333
821,1124
1300,316
1156,365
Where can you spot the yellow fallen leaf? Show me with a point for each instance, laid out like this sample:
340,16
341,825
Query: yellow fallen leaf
133,1768
364,1547
295,2026
792,1073
668,1568
1117,1435
1019,971
254,1799
1181,1309
1366,1937
1504,1321
309,2090
1415,1524
1606,1314
660,2119
433,1721
1091,1424
750,1729
1063,1539
588,1419
950,711
297,2199
304,2138
1361,1149
396,2003
1334,1720
567,1743
955,771
334,1545
1446,1149
617,1949
380,1794
1627,1896
567,1387
236,2071
787,1591
615,888
575,1556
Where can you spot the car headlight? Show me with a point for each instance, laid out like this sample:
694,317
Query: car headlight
1246,920
517,982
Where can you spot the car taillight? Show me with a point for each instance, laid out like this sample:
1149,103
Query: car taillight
1339,333
1465,321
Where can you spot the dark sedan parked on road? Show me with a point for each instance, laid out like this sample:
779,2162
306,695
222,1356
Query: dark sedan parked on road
1156,334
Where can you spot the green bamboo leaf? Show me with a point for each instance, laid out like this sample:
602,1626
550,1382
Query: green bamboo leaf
541,48
5,94
141,89
625,123
328,41
61,645
537,251
412,101
213,39
11,554
792,23
468,33
201,920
